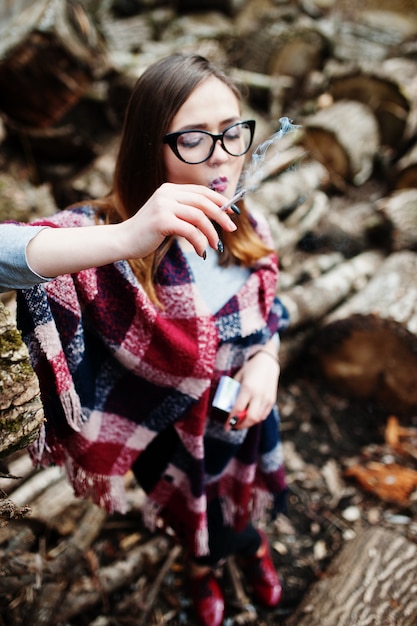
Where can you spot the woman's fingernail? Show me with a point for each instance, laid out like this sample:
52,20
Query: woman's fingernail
220,246
204,255
235,209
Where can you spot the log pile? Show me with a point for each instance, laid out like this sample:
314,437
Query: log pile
341,201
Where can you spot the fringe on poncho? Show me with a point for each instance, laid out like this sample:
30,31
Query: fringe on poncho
125,382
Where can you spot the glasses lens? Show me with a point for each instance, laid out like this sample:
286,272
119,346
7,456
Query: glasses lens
238,138
194,146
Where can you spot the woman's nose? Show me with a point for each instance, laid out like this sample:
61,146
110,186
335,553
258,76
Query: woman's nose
219,154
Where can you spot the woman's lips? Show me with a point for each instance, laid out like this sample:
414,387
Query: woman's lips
219,184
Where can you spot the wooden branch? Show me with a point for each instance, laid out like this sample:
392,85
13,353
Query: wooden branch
248,613
152,593
371,581
113,577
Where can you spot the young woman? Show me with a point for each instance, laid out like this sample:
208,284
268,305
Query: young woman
129,354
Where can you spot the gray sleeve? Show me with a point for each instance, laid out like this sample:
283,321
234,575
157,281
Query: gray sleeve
15,272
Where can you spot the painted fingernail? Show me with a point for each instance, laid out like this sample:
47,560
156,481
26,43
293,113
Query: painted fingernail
233,420
220,246
204,255
235,209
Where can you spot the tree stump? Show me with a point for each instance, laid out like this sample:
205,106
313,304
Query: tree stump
344,137
368,346
373,580
21,412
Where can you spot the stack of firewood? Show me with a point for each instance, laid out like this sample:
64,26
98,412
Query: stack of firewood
341,198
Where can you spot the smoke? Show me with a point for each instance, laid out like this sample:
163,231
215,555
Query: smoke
266,158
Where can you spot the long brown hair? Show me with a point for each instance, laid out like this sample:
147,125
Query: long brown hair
156,98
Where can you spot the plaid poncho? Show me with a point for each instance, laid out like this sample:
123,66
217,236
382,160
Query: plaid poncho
126,382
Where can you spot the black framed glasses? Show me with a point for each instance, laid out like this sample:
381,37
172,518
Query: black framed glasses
196,146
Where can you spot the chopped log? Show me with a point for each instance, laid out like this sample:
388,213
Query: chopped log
388,88
400,210
371,581
54,46
283,194
368,346
371,30
348,227
49,507
405,175
307,268
21,411
37,484
311,302
271,46
74,548
301,221
345,138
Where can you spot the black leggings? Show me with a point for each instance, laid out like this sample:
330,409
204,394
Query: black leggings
225,541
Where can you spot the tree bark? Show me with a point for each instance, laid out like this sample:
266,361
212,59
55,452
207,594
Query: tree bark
21,411
371,581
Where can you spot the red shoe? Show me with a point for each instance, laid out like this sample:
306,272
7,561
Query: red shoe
263,577
208,599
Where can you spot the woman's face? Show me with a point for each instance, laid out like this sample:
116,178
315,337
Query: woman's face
212,106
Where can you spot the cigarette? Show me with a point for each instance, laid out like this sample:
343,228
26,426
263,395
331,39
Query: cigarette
230,204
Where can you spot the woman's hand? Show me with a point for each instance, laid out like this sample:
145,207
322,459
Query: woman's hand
258,391
182,210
